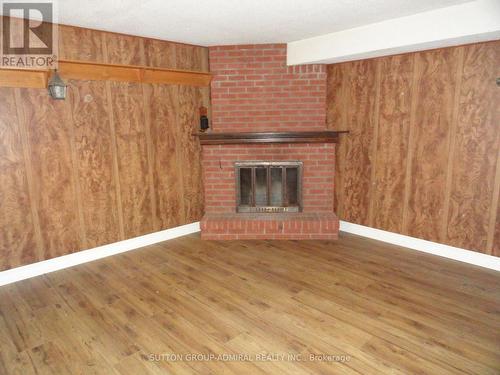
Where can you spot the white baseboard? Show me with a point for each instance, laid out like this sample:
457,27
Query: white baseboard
65,261
456,253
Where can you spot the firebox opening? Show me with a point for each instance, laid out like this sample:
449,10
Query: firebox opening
263,186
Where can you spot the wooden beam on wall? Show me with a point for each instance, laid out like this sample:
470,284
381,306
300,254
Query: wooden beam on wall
36,79
81,70
176,77
70,69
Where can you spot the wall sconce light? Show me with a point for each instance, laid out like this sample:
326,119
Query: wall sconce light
204,119
57,87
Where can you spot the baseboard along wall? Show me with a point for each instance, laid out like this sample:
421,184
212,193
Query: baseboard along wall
451,252
70,260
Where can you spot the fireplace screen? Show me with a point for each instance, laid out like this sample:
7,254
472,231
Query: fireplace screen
269,186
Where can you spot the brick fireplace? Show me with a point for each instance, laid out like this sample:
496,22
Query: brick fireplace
267,117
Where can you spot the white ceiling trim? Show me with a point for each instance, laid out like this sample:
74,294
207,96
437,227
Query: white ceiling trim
466,23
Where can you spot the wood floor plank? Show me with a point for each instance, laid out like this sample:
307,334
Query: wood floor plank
48,359
386,309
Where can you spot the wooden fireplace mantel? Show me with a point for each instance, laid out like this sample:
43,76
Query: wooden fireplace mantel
269,137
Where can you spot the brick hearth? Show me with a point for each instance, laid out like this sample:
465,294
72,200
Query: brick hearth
289,226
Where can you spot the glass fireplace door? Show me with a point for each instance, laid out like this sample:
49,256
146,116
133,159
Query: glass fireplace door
268,186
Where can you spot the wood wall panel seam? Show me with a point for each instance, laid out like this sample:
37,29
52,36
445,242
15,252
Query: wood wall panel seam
494,211
114,147
356,178
150,154
128,114
127,105
178,153
342,156
451,145
435,96
189,103
76,180
175,56
164,136
334,122
392,140
40,248
116,171
143,51
149,145
375,141
411,140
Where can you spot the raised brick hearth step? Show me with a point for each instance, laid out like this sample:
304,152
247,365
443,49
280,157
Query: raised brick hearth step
278,226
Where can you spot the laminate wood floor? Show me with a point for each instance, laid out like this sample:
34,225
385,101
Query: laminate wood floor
354,306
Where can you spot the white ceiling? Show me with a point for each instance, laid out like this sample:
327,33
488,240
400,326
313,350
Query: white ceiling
218,22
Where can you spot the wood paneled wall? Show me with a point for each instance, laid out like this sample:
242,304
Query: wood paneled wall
423,154
111,162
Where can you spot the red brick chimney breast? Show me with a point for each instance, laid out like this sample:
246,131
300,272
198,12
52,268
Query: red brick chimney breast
253,90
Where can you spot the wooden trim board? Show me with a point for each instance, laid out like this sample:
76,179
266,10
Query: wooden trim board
23,78
82,70
70,69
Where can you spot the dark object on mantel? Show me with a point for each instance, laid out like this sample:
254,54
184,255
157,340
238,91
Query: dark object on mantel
203,119
270,137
